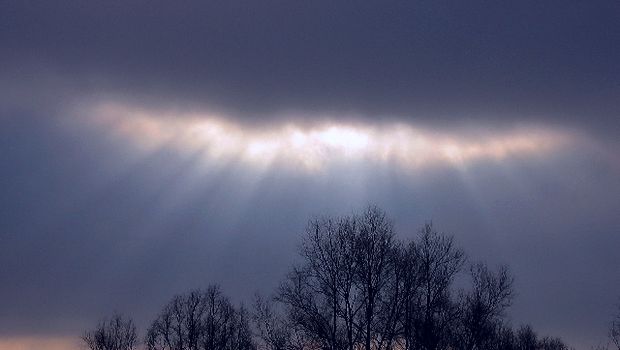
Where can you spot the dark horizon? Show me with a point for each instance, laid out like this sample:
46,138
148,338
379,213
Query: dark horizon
151,148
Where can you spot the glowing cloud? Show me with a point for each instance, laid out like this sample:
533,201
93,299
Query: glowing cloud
315,146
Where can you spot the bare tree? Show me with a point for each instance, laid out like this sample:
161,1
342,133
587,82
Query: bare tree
614,330
527,339
321,294
409,276
357,287
329,252
117,333
272,330
375,270
310,292
503,339
349,294
438,263
200,320
396,297
552,343
483,306
339,295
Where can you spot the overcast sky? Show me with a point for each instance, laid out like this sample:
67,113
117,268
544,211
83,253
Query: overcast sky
150,147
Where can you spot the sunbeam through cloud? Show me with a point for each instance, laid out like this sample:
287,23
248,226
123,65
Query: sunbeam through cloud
313,147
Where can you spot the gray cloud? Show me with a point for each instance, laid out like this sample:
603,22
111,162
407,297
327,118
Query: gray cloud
437,62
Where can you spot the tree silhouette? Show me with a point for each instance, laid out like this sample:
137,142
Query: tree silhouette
337,296
483,306
614,330
117,333
438,264
552,343
358,286
272,331
200,320
527,339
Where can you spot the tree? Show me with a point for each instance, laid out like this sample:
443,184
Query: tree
313,292
438,263
552,343
483,306
356,287
503,339
338,296
272,330
410,283
526,338
375,252
200,320
117,333
614,331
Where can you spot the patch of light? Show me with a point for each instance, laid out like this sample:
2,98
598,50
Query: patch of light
313,147
345,139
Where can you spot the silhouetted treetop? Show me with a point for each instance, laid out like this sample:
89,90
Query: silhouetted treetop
116,333
200,320
357,286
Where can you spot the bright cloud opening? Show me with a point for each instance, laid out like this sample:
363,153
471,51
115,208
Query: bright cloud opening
313,147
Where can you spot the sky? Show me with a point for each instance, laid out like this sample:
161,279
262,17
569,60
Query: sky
150,147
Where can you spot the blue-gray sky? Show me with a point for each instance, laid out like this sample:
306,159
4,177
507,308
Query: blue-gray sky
111,202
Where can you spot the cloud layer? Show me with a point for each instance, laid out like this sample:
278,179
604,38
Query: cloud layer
314,146
433,62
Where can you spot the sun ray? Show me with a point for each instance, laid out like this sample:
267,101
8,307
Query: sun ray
313,147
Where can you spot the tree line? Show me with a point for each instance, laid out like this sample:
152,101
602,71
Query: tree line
357,287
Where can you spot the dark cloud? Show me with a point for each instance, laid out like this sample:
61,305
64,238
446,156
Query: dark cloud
423,60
